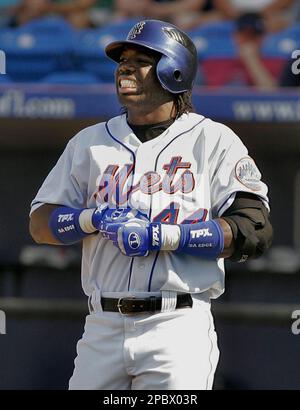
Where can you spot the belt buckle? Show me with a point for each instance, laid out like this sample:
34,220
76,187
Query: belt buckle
120,305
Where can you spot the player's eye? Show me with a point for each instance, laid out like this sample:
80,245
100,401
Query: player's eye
144,62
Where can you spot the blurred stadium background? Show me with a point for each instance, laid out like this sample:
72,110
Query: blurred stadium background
55,81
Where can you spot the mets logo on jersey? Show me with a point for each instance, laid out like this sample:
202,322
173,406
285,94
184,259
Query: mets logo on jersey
112,185
248,174
136,30
175,179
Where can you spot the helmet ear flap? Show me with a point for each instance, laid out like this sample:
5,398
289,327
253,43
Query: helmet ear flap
177,75
170,75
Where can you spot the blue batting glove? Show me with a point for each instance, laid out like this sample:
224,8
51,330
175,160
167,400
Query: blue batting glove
135,237
98,215
111,215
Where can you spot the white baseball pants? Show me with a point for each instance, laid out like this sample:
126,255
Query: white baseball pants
171,350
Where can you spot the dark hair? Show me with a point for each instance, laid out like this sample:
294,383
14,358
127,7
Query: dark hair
183,104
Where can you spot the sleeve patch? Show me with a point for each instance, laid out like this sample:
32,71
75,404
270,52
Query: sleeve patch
248,174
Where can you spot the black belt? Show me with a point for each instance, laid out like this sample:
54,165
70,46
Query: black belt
151,304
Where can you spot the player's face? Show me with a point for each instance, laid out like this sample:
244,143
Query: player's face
136,80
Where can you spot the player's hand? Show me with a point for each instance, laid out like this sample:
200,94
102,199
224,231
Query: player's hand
135,237
111,215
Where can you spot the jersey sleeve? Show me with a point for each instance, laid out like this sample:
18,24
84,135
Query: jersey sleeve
64,184
233,170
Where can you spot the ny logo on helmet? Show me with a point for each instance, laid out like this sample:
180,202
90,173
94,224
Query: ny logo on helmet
136,30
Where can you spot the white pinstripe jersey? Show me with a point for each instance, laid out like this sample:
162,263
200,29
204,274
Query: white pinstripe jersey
189,173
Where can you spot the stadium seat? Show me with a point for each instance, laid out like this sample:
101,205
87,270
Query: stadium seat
48,25
220,63
294,31
71,77
214,40
89,48
31,56
214,29
281,44
277,49
4,79
216,51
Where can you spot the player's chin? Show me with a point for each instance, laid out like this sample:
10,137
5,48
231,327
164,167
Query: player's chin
129,98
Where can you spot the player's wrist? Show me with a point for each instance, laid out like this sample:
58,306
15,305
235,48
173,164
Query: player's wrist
70,225
89,219
154,236
86,220
163,237
170,235
203,239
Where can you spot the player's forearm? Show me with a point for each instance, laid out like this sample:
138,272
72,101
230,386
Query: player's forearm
171,237
211,239
39,225
64,225
228,239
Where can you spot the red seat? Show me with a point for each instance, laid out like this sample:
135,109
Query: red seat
219,72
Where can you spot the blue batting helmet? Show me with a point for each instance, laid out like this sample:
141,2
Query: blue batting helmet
177,68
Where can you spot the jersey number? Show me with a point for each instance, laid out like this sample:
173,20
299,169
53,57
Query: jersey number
170,215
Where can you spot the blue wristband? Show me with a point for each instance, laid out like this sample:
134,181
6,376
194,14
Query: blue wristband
205,239
64,225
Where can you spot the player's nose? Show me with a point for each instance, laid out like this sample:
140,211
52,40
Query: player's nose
126,68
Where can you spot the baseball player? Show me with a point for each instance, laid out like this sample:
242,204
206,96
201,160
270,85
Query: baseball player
159,196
